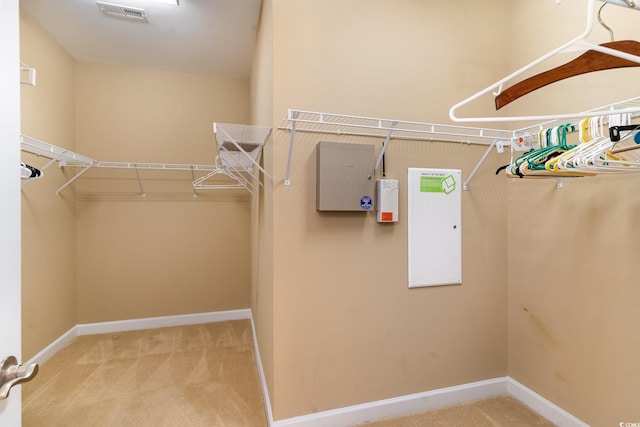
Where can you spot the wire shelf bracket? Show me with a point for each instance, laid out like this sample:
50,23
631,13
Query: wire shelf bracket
240,146
30,75
339,124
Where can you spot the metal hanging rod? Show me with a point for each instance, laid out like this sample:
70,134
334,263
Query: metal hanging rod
613,109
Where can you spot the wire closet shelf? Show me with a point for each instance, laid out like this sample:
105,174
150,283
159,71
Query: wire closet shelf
522,139
233,176
340,124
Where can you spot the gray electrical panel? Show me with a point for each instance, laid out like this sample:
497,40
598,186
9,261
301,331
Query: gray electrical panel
344,180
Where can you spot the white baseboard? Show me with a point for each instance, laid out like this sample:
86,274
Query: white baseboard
136,324
542,406
48,352
162,322
435,399
262,377
398,406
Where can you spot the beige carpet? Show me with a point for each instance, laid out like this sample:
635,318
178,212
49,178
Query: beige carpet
198,375
499,411
192,376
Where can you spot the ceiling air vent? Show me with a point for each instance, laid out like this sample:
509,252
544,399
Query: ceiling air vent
126,12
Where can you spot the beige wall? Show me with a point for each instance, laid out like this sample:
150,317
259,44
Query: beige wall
262,208
157,258
262,69
167,253
100,252
385,59
142,115
572,293
346,329
48,220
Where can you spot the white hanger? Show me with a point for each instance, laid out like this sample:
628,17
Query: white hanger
578,41
240,181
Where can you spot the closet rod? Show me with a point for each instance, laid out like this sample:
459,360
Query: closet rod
616,108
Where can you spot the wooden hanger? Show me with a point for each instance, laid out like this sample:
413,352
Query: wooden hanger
579,41
586,63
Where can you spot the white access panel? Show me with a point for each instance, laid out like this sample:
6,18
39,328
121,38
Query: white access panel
434,227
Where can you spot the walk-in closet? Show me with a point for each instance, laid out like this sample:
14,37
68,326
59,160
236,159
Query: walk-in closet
320,213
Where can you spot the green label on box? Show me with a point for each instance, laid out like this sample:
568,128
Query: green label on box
430,184
437,184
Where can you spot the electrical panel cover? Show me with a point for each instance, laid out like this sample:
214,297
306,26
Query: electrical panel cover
344,179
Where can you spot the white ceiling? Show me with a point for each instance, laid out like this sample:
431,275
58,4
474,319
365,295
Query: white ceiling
201,36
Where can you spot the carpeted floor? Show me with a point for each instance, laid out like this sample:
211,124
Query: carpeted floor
193,376
197,375
499,411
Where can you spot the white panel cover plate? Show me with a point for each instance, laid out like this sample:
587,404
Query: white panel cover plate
435,229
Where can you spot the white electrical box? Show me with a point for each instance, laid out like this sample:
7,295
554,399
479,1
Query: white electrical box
387,200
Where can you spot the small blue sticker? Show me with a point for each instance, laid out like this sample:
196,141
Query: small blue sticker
366,203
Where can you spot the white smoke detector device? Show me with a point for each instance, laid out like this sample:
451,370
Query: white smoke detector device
387,200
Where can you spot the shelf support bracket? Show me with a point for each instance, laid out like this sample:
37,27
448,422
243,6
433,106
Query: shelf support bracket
193,178
142,193
31,75
235,143
72,179
384,146
465,186
292,137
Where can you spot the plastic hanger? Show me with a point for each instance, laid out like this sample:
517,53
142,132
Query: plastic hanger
29,172
596,155
239,181
533,163
589,135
